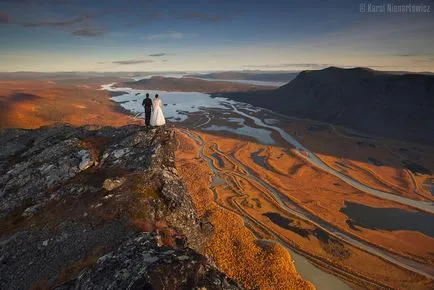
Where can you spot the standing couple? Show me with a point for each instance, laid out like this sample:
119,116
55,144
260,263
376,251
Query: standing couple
153,113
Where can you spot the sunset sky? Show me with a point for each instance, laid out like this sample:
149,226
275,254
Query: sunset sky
157,35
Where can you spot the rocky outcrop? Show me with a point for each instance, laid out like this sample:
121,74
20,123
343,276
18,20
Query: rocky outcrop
141,263
98,208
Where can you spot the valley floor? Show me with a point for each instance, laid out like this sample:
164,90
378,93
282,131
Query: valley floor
284,198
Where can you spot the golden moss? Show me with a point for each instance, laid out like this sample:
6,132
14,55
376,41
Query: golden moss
254,265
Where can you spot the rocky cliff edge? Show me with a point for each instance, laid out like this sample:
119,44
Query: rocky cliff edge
98,208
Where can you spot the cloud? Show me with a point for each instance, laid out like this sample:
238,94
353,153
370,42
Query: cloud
6,18
87,32
55,23
132,61
161,54
405,55
201,16
168,35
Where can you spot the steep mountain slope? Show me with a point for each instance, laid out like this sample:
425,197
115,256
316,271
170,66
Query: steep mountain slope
390,105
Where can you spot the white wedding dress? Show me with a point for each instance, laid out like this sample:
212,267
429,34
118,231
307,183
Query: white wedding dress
157,117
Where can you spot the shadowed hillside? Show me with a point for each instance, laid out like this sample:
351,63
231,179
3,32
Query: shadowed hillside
389,105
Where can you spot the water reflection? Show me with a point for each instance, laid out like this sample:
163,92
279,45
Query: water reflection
260,160
389,219
286,223
177,103
220,161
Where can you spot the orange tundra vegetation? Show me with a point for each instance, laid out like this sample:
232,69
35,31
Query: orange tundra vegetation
351,154
254,264
235,248
31,104
316,192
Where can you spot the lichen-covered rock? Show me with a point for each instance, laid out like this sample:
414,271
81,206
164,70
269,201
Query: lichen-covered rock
110,184
139,263
74,203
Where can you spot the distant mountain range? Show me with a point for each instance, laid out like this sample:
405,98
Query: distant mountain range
187,84
67,75
381,103
250,75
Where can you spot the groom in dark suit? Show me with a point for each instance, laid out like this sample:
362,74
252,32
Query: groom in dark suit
147,103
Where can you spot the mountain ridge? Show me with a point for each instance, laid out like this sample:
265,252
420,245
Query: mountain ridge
99,208
379,103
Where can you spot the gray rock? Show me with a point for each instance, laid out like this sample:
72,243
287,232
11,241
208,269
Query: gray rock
86,160
30,211
58,216
110,184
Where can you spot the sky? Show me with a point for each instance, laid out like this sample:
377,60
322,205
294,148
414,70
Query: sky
213,35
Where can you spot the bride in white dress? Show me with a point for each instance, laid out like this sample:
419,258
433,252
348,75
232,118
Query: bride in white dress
157,117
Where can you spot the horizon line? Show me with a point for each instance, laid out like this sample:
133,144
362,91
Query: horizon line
214,71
